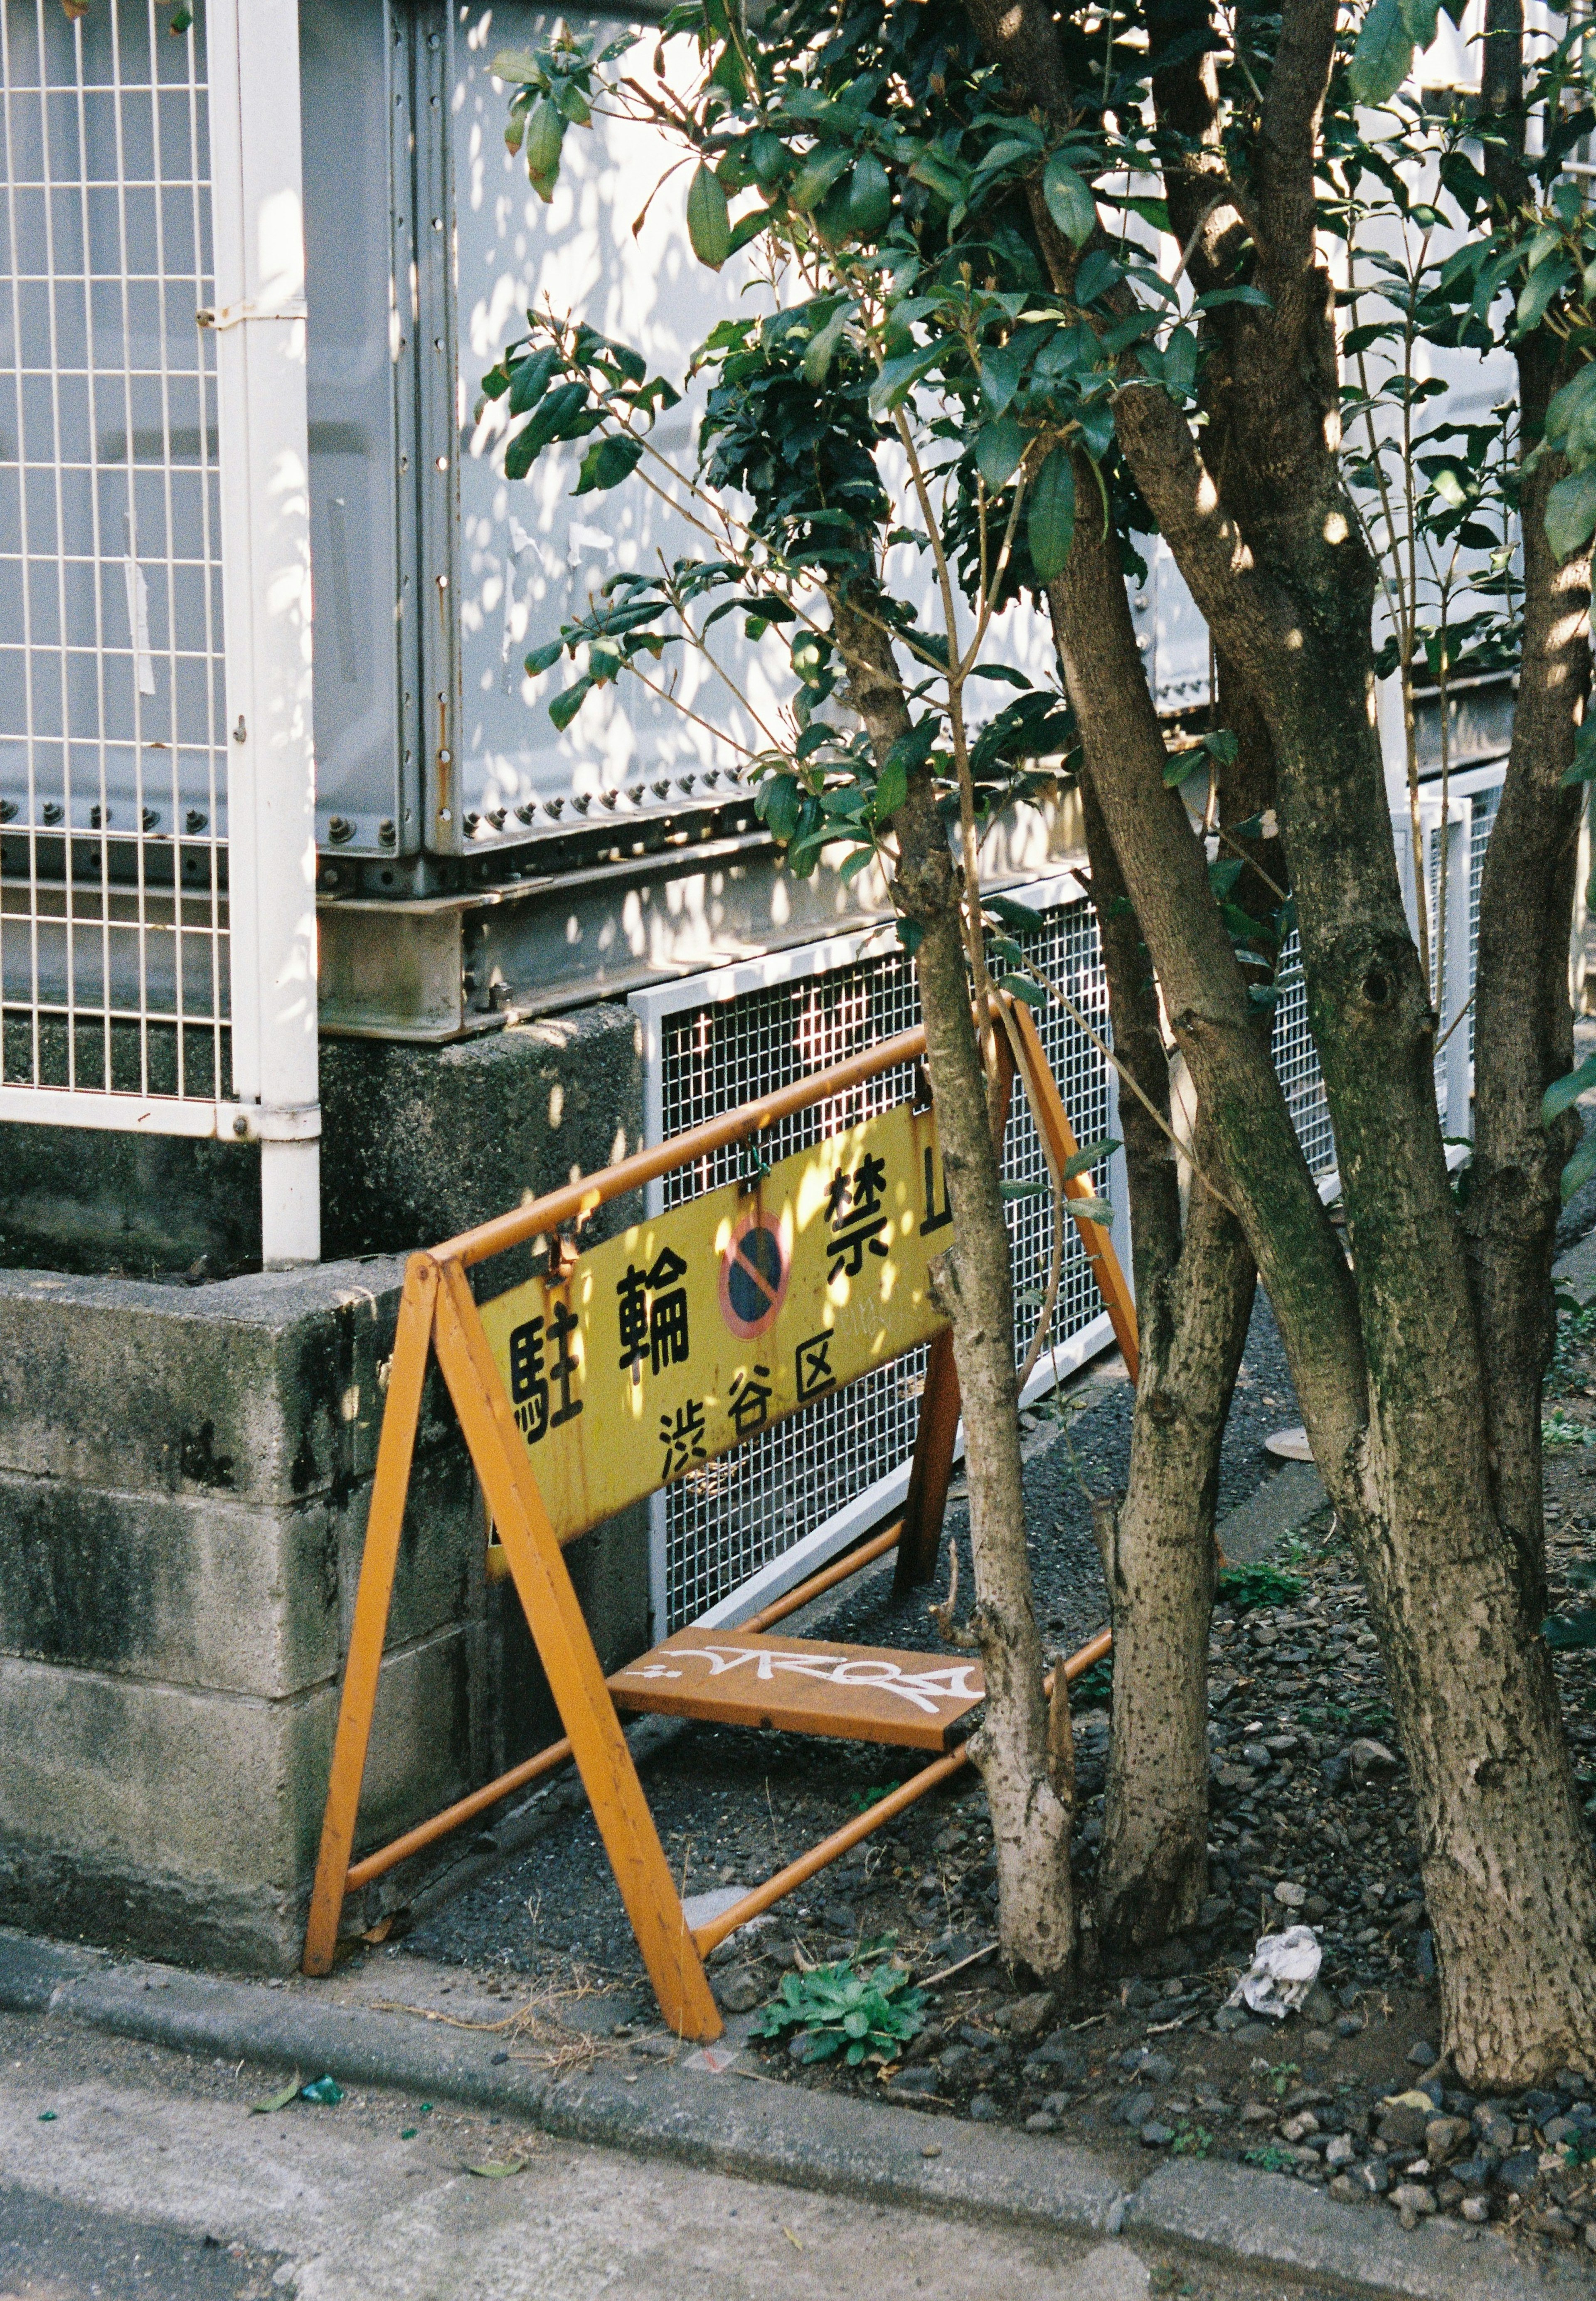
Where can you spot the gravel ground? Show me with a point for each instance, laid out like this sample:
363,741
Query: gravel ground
734,1805
1311,1822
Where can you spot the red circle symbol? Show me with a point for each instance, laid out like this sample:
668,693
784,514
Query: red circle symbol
754,1275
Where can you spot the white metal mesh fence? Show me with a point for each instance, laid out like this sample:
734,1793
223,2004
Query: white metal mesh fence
724,1523
1297,1062
113,928
1486,802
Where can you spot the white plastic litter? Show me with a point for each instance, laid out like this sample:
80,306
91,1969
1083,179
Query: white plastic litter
1285,1968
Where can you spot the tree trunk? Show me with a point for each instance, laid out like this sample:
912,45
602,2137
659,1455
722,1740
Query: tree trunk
1027,1768
1507,1860
1152,1872
1523,1024
1193,1300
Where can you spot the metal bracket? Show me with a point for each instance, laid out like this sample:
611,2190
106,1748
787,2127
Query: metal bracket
233,315
254,1122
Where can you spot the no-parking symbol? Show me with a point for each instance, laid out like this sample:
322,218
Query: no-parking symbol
754,1273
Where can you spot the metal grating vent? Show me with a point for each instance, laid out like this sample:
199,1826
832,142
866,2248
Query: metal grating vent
113,773
1297,1062
724,1523
1486,803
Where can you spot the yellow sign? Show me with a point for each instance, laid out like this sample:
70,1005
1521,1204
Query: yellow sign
675,1341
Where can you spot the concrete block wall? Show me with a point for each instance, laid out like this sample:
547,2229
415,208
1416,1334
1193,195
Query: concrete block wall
185,1473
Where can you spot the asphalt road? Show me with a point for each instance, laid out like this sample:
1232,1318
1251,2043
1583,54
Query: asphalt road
131,2173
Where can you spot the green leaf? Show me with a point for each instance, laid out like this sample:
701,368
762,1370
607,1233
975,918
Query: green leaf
1069,201
1565,1091
607,462
815,178
913,747
1535,297
1026,1190
708,221
1583,769
514,67
545,133
898,377
1247,294
999,377
869,198
1091,1155
1098,272
564,707
891,790
1091,1211
1014,915
822,345
1579,1170
498,2169
998,448
562,415
1180,365
1418,20
1571,511
1021,986
276,2101
1571,417
544,658
1050,527
1384,54
530,379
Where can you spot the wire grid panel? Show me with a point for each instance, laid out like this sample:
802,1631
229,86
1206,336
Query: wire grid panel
1296,1061
1485,799
726,1520
1478,792
113,932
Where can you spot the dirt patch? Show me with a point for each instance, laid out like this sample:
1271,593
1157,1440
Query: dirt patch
1311,1822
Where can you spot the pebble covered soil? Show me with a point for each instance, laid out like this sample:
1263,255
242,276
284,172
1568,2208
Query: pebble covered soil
1310,1822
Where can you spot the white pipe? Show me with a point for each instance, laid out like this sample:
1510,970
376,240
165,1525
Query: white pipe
259,318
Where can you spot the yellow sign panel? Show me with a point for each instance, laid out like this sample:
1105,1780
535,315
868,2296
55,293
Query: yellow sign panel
673,1342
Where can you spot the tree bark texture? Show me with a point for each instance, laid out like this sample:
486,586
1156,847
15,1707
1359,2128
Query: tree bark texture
1027,1768
1193,1299
1387,1358
1523,1022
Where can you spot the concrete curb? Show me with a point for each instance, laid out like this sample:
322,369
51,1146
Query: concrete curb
773,2132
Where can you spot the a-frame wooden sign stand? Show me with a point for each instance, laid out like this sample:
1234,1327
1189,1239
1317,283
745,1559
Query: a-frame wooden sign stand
910,1700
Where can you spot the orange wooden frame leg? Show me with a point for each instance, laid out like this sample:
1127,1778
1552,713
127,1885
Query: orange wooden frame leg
575,1680
930,1470
1053,1121
408,1374
926,1503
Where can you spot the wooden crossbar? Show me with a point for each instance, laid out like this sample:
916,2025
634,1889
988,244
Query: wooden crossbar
438,1319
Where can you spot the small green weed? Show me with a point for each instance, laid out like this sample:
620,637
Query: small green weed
861,1801
1094,1688
865,2016
1192,2141
1560,1429
1270,2159
1281,2074
1577,1333
1324,1713
1257,1585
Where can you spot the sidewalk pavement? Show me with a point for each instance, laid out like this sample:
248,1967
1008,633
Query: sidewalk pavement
713,2110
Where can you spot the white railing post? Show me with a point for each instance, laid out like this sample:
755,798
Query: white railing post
259,235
